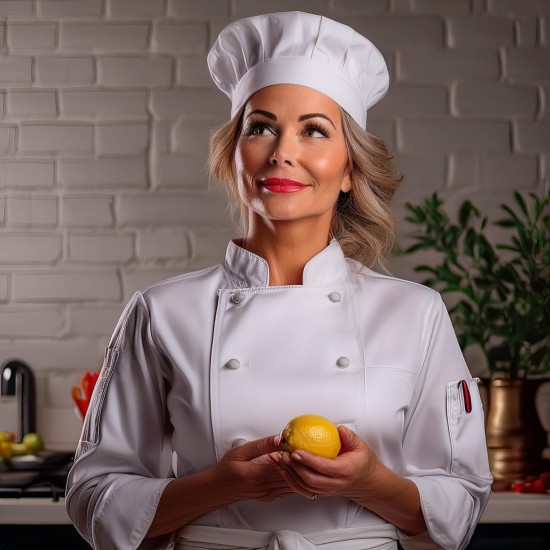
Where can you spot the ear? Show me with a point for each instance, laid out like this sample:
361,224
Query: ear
345,186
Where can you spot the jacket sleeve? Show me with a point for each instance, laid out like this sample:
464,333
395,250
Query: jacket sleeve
444,448
123,460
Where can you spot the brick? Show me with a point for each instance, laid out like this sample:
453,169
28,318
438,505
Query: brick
48,353
94,320
246,8
441,7
135,8
384,129
480,32
181,171
39,37
64,9
508,172
544,30
192,137
32,104
105,104
2,210
31,322
447,65
35,211
180,38
50,138
211,243
192,72
4,281
514,8
412,100
401,6
546,102
170,104
527,31
168,209
134,71
7,139
104,36
464,170
198,9
21,173
2,103
488,100
130,172
65,71
29,248
87,211
422,173
446,136
161,137
20,8
140,278
15,70
532,137
66,285
526,64
391,33
342,8
162,244
121,139
109,248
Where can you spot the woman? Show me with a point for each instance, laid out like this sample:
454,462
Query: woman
203,367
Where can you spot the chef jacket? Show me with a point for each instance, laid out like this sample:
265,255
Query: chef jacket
205,360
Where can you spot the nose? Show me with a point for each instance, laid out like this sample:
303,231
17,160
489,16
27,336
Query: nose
284,151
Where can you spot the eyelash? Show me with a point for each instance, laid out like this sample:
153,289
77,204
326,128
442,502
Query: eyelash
252,125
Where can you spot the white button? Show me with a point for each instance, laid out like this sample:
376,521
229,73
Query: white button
233,364
334,296
238,442
238,298
342,363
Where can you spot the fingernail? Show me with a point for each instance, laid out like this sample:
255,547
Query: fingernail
277,440
296,456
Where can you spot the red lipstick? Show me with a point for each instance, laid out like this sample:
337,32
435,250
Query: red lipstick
280,185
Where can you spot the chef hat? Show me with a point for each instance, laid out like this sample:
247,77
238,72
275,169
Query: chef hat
299,48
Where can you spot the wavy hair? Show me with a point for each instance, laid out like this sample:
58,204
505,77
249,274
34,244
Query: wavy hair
363,223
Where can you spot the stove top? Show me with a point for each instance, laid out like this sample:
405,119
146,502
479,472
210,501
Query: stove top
43,476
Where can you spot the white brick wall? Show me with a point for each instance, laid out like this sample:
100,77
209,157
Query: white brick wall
105,111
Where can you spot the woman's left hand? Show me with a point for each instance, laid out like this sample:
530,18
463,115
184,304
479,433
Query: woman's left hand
348,475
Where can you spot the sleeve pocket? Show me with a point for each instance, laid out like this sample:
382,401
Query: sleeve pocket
90,430
466,428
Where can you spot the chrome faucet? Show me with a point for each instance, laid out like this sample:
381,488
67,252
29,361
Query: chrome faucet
17,380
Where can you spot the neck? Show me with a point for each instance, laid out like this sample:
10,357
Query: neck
286,246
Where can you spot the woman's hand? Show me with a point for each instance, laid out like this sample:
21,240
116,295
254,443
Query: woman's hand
251,471
358,474
348,475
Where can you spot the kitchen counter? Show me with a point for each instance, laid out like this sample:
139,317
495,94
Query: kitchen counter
502,508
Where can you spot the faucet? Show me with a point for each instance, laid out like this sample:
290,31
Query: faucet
17,380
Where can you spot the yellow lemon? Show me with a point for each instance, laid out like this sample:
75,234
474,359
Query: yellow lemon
313,433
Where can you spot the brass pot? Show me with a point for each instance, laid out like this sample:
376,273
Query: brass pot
515,437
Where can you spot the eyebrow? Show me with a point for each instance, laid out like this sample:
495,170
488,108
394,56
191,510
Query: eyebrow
301,118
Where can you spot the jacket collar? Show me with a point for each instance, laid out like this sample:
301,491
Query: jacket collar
249,270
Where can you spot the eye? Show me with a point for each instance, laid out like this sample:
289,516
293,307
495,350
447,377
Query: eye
257,128
314,130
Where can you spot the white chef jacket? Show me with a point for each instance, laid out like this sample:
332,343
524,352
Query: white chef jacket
208,358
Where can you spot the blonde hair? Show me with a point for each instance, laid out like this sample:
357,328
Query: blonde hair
363,223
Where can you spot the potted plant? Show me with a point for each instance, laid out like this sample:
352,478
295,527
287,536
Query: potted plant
499,300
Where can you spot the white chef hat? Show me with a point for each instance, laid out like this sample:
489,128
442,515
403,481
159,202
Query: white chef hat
299,48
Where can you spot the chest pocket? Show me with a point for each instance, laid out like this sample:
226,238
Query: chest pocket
466,428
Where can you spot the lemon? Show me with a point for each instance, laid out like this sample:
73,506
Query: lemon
313,433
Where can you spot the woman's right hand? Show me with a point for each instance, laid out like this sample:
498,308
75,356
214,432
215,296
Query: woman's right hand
251,471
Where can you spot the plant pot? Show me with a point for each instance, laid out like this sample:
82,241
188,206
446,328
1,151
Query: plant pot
515,437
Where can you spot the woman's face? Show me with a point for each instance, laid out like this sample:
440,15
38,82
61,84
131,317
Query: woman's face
291,158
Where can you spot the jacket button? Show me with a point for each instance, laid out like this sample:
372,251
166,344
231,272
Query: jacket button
233,364
334,296
342,363
237,298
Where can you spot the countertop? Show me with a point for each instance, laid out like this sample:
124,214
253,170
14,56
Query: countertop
502,508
